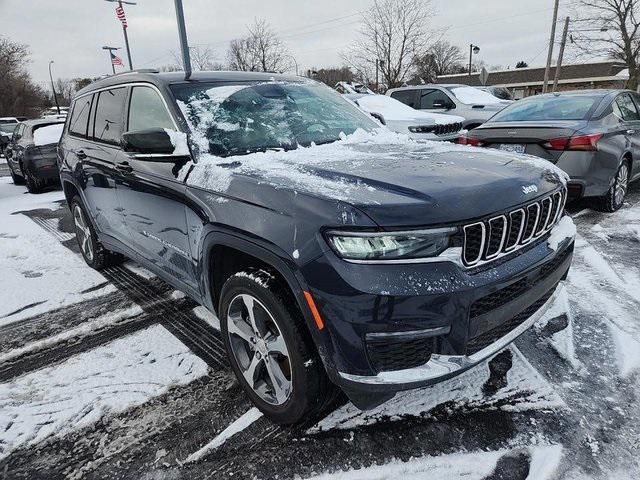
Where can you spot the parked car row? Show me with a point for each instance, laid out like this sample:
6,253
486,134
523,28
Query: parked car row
31,153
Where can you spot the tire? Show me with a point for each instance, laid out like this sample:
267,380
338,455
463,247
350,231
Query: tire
17,179
614,198
34,185
305,387
92,251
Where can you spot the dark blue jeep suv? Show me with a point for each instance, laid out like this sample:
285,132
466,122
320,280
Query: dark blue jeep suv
334,252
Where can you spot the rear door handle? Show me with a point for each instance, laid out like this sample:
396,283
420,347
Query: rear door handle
124,167
631,132
80,154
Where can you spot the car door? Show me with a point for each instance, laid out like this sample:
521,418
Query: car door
635,172
12,148
625,107
152,198
98,156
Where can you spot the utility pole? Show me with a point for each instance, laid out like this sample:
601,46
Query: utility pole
109,50
184,44
545,85
124,29
377,75
55,97
561,54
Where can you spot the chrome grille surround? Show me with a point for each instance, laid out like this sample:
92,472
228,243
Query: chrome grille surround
535,220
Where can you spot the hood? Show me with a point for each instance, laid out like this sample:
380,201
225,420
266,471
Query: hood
397,182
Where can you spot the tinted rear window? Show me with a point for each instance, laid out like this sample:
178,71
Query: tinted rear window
548,108
408,97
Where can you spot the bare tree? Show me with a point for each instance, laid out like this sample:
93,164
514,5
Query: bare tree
261,50
20,95
202,58
441,58
611,28
393,32
331,76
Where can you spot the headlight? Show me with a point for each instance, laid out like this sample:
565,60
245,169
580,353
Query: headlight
391,245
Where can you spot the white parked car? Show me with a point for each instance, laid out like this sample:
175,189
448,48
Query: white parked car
353,87
471,103
403,119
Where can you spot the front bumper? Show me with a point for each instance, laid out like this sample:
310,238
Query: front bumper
465,313
442,367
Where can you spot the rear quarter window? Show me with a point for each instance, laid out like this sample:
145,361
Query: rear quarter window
80,116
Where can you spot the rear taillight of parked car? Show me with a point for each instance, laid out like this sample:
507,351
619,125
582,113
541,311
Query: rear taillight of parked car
582,143
471,141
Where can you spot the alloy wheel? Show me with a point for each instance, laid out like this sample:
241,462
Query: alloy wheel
83,233
622,183
259,349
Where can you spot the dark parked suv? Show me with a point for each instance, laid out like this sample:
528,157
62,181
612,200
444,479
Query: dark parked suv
333,252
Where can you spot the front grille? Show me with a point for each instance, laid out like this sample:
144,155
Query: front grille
505,295
448,129
497,236
389,354
484,340
439,130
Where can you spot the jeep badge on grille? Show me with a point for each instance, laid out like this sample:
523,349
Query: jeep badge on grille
529,189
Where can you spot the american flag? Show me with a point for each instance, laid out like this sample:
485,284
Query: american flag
121,16
116,60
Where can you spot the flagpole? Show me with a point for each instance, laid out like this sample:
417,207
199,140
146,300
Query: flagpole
126,42
110,53
124,30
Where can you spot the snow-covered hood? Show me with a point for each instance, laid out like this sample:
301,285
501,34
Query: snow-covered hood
394,180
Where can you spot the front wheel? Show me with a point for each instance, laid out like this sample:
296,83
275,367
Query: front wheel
269,349
614,198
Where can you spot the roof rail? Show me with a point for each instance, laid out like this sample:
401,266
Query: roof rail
140,70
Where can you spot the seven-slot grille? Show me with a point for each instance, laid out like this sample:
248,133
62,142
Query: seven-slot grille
446,129
503,234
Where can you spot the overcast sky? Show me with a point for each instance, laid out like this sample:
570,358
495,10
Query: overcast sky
72,32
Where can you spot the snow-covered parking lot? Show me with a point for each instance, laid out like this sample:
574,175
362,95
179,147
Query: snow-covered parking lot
116,375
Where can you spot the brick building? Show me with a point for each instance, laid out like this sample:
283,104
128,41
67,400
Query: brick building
524,82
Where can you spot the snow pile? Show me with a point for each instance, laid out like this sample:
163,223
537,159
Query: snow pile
526,390
110,379
204,314
563,230
544,461
48,135
475,96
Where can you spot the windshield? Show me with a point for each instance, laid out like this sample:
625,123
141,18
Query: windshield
8,128
548,108
241,119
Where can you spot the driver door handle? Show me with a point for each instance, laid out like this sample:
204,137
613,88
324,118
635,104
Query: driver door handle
631,132
124,167
80,154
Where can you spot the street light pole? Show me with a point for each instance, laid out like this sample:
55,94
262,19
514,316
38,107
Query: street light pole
110,49
184,44
472,49
55,97
124,30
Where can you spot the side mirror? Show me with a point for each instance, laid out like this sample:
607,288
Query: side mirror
153,141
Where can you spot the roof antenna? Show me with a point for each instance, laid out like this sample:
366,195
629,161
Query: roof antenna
184,45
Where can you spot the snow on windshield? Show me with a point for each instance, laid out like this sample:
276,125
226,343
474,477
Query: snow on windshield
474,96
48,135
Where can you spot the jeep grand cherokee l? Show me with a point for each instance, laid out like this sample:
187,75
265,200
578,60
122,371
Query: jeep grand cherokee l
335,252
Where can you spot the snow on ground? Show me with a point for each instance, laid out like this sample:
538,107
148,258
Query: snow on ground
43,274
138,270
209,317
237,426
76,393
526,389
111,319
469,466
